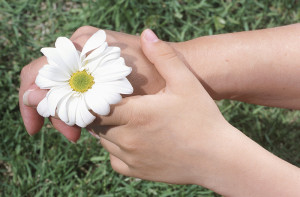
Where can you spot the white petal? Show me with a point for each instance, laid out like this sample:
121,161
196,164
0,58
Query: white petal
97,52
92,65
95,41
62,110
52,73
112,70
61,69
55,95
68,53
72,107
79,119
96,103
109,96
45,83
86,116
42,108
112,97
55,58
111,53
121,86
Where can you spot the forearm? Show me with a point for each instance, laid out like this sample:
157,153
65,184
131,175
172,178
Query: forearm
246,169
260,67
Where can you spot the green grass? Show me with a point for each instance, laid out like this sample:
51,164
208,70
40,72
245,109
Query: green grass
47,164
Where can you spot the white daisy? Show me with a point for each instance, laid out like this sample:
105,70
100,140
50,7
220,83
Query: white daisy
81,83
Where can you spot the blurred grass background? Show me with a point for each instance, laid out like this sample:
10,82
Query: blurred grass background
47,164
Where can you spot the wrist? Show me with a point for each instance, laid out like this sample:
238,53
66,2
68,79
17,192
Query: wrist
243,168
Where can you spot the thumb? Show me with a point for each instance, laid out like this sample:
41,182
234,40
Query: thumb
33,97
166,61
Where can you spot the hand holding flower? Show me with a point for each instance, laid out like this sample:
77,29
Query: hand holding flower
79,82
144,78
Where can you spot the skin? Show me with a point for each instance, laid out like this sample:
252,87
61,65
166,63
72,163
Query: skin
259,67
269,79
144,78
168,137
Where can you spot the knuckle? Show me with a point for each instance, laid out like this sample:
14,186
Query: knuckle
129,143
166,57
141,120
83,29
139,117
169,56
81,39
167,52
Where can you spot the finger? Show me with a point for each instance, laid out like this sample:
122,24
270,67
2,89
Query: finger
111,147
84,30
32,120
94,134
114,134
72,133
119,166
82,34
166,61
33,97
121,113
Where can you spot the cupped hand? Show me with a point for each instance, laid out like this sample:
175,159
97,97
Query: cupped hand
174,136
144,78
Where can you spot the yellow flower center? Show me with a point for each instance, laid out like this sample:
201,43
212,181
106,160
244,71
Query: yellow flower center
81,81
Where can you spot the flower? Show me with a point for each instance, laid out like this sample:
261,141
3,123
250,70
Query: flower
79,83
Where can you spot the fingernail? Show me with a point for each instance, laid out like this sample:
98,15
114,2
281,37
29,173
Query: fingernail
150,36
72,142
26,96
94,134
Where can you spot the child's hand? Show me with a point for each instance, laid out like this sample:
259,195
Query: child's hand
179,136
174,136
144,78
